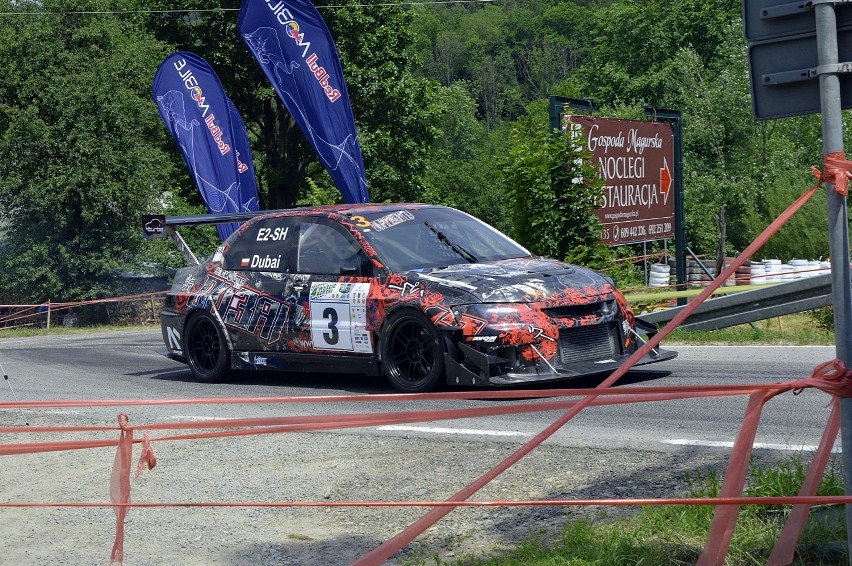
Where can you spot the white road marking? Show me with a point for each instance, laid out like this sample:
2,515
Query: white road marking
441,430
727,444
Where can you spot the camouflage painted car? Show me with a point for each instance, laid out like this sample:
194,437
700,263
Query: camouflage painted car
425,295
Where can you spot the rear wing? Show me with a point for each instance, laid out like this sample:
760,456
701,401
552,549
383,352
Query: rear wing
162,226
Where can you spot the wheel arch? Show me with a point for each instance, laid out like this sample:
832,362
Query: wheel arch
216,316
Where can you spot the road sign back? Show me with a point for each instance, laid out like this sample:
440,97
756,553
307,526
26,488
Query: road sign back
783,75
768,19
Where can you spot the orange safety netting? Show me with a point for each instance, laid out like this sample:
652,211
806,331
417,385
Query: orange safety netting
832,377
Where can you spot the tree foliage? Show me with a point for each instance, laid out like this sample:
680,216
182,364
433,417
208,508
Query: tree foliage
554,187
79,141
449,101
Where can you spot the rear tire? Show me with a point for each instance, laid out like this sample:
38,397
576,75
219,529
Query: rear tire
412,352
206,349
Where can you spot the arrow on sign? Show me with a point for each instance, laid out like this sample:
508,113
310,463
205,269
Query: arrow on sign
665,180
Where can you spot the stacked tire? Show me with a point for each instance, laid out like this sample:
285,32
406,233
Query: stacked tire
660,275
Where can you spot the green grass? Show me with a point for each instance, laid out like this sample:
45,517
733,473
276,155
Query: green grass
675,535
31,331
795,329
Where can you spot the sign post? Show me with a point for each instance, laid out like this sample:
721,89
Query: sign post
642,164
636,161
673,118
838,231
785,38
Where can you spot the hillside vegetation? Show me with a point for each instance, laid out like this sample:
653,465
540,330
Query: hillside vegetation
450,101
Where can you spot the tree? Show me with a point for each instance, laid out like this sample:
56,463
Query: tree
80,154
554,187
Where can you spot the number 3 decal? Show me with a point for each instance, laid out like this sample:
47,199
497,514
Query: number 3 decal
331,326
331,338
361,222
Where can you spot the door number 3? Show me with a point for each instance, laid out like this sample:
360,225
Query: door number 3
331,338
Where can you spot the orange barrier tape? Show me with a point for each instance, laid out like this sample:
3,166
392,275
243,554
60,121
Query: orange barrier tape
393,545
838,171
831,376
29,311
785,546
118,299
702,501
119,486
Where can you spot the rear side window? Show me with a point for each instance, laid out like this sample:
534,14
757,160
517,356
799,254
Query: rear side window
266,245
327,248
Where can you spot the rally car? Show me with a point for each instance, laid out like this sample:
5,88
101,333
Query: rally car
425,295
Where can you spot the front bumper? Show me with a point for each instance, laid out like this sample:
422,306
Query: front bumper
478,368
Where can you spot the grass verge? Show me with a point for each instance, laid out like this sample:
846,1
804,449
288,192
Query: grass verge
795,329
675,535
31,331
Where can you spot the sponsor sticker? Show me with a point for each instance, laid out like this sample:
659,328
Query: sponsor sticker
392,219
154,225
265,262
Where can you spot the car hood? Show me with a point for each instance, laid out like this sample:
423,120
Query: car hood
524,280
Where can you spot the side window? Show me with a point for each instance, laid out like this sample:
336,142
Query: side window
266,245
326,248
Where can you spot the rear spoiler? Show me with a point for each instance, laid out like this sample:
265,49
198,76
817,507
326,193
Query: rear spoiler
162,226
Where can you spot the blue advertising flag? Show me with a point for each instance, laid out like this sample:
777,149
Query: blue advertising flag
200,117
296,52
245,164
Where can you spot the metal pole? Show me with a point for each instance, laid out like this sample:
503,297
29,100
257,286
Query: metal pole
838,229
673,117
557,106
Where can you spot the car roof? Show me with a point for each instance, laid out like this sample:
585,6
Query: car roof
347,209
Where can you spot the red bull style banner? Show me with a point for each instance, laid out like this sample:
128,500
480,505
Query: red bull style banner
296,52
210,134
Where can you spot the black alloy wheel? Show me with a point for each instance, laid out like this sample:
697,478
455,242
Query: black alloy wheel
412,352
207,352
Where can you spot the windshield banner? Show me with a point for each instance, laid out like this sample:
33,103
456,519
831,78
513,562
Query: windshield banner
210,134
296,52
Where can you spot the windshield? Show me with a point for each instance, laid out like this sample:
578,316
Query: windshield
430,238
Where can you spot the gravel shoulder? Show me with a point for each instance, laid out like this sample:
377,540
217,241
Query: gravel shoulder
315,467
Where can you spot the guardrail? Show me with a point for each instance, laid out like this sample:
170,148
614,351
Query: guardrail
750,306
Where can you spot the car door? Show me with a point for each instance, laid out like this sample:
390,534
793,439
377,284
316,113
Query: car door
335,275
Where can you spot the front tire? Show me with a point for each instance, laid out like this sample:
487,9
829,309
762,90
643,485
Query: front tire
412,352
206,349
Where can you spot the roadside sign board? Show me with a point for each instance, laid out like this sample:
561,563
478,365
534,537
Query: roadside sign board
783,77
768,19
636,161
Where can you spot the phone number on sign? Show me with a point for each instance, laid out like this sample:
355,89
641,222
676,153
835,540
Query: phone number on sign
621,233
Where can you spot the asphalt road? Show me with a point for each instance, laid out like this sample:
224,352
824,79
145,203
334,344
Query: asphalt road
130,365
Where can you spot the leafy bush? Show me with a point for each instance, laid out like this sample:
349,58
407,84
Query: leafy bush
823,318
553,186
